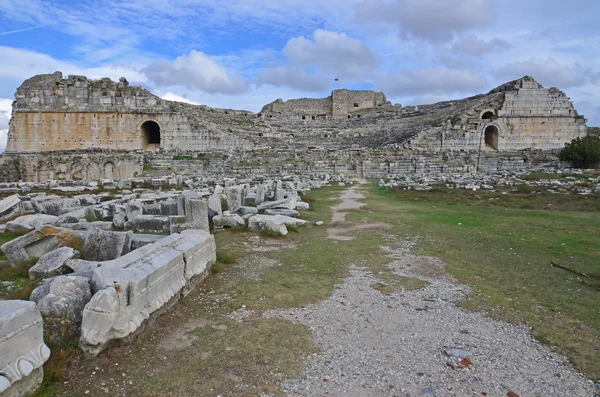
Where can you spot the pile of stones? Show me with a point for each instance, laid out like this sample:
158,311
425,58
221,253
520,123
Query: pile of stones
109,260
560,184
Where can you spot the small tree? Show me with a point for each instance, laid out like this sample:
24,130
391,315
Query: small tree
582,152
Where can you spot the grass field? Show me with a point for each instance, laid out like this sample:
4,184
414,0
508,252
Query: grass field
504,250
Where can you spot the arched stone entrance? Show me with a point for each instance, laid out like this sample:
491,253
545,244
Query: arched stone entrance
487,115
491,137
151,136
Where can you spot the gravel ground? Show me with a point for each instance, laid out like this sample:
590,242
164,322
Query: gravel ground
378,345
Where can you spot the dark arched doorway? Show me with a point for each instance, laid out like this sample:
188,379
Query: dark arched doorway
150,135
491,137
487,115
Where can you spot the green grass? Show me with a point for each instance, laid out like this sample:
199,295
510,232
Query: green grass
199,157
149,168
517,197
505,254
226,258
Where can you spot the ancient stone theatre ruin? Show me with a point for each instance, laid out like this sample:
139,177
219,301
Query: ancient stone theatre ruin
75,128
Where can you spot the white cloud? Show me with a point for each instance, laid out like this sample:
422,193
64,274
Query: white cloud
293,77
5,111
312,64
25,64
590,111
195,70
333,52
471,45
433,20
3,139
169,96
432,81
548,72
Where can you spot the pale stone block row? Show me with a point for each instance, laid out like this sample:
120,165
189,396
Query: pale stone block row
22,348
130,288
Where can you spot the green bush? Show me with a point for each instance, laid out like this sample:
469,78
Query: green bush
582,152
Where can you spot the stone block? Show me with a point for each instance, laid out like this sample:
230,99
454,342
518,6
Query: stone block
246,210
50,205
9,206
103,245
22,348
197,214
214,205
235,197
198,248
61,301
231,220
151,224
27,223
40,242
284,212
267,223
289,203
53,263
127,291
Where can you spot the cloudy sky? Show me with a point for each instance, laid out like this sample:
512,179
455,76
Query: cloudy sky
245,53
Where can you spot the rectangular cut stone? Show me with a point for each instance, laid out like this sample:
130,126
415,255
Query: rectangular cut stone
152,224
9,206
198,248
22,348
127,291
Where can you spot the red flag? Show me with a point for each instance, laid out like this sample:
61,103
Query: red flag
336,79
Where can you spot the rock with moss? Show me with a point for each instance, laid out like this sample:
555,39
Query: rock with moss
61,301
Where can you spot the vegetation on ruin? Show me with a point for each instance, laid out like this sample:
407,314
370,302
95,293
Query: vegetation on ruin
582,152
149,168
19,285
200,156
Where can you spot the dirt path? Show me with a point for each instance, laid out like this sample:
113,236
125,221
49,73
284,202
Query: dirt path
378,345
342,230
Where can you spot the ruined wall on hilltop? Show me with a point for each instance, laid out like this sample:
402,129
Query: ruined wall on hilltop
306,107
348,101
516,116
338,105
55,113
52,113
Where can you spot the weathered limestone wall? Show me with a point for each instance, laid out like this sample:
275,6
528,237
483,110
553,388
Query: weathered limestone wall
516,116
538,118
302,106
346,101
338,105
70,165
55,114
32,131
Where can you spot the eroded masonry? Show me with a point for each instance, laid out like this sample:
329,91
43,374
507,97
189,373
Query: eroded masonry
109,194
79,129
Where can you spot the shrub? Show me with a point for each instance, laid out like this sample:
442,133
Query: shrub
582,152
